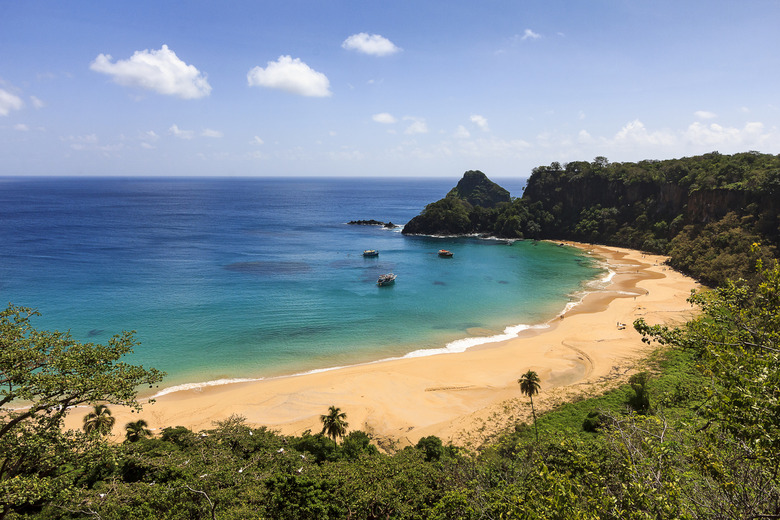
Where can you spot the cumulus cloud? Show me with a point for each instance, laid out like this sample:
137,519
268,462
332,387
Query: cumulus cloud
635,132
384,118
208,132
714,135
9,102
290,75
372,44
258,141
37,103
480,122
528,34
158,70
417,126
703,114
21,127
462,133
181,134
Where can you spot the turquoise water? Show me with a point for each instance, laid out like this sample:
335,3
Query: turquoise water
235,278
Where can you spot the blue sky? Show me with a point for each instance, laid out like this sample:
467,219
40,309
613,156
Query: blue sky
380,88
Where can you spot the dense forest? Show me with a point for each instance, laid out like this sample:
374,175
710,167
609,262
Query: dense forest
694,435
704,212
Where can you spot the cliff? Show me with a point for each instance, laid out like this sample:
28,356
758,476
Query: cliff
463,210
706,212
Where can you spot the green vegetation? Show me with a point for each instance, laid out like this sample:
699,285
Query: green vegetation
334,423
43,375
99,421
704,212
529,386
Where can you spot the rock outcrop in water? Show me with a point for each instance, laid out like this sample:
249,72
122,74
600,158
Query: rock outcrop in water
371,222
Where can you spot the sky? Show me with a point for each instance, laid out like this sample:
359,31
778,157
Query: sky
401,88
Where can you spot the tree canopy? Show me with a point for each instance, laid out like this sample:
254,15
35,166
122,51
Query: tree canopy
43,376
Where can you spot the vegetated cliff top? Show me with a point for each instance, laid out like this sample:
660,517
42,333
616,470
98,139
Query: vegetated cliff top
476,189
705,212
457,213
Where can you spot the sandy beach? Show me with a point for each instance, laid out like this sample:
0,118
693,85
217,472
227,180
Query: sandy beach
463,398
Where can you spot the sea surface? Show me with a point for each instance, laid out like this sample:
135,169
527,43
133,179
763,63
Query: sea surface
229,279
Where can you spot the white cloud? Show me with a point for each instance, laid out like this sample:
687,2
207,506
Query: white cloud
9,102
703,114
530,35
461,133
480,122
714,135
384,118
494,148
418,126
21,127
584,137
636,133
373,44
181,134
90,142
208,132
37,103
290,75
158,70
258,141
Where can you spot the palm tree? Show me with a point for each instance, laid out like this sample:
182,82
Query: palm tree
529,385
333,423
137,430
99,420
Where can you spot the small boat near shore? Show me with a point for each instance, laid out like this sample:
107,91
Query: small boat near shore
386,279
444,253
370,252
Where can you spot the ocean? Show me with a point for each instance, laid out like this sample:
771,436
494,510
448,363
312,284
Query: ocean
232,279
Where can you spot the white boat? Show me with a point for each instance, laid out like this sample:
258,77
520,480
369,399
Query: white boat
386,279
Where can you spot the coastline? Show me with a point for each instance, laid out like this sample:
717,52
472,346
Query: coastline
463,398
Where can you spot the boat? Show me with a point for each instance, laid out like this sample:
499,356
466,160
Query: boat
370,252
386,279
445,253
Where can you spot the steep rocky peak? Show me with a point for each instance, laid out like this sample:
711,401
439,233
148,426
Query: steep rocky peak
476,189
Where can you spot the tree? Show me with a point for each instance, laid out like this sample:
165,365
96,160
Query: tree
137,430
334,424
99,421
44,375
529,385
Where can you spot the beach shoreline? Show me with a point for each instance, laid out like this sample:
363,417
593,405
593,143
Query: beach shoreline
465,397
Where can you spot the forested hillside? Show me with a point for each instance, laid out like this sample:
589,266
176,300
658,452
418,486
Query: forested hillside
705,211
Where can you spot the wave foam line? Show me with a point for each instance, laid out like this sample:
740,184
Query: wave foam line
205,384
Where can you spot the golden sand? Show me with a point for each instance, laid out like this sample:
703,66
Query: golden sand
463,398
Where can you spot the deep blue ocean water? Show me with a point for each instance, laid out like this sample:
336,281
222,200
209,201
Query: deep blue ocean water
249,278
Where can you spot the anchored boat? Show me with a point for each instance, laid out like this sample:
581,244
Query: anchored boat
386,279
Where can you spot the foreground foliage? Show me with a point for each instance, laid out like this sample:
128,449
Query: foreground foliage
44,375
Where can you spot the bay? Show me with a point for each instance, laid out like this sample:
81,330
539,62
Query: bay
226,279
